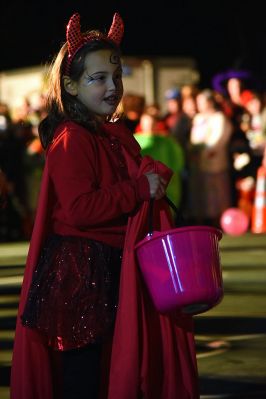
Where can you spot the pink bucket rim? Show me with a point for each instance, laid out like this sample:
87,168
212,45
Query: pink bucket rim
159,234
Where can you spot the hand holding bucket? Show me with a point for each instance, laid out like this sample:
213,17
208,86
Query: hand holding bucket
181,267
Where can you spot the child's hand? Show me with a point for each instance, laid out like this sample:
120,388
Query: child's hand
157,185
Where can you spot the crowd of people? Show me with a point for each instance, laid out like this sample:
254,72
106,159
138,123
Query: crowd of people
21,165
213,139
220,139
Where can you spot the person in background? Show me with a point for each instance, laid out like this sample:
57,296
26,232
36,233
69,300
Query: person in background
133,106
189,90
74,339
254,126
178,120
173,113
159,126
209,178
163,148
228,88
189,106
13,215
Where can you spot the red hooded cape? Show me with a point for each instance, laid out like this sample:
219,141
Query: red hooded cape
152,354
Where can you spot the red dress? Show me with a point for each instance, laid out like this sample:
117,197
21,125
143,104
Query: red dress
73,296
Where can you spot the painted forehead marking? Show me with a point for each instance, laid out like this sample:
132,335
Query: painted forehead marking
114,58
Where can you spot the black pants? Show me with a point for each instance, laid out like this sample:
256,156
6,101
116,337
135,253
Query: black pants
81,372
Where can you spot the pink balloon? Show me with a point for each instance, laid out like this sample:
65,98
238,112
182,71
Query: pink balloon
234,221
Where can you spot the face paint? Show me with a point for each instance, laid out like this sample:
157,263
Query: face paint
90,80
115,59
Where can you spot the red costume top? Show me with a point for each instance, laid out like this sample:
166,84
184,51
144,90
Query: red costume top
93,191
86,196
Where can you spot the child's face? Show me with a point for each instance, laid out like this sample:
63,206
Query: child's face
100,87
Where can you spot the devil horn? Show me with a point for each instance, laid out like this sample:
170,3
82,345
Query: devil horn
73,33
117,29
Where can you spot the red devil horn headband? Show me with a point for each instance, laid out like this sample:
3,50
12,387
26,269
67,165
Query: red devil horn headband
117,30
76,40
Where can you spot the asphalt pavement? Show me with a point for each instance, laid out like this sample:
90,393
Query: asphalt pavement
230,338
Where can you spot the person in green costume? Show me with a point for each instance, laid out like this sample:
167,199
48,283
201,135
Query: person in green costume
162,148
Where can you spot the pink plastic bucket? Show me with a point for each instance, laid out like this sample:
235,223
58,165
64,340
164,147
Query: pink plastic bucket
181,268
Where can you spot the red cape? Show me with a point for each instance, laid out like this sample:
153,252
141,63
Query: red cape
31,376
153,355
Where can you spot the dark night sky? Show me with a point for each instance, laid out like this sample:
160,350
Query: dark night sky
219,34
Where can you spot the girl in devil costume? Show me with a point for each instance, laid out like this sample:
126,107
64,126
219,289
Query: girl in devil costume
84,323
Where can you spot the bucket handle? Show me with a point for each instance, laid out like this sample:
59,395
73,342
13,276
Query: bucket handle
180,219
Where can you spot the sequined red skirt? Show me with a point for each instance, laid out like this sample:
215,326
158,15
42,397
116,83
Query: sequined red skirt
73,296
